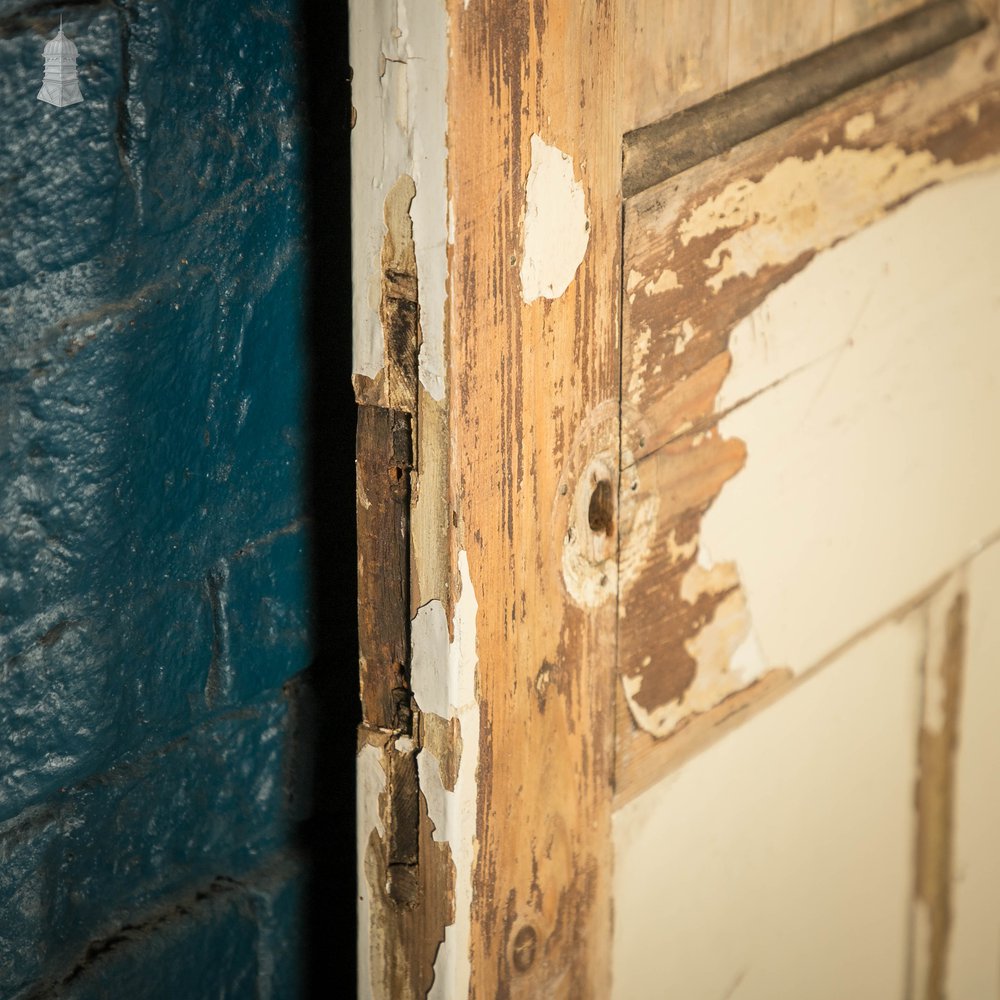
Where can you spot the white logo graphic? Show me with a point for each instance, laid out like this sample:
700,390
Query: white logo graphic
60,85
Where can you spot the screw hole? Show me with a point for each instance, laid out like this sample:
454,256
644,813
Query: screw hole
525,944
395,473
601,511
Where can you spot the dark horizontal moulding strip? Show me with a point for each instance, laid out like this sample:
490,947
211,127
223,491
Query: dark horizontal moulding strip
656,152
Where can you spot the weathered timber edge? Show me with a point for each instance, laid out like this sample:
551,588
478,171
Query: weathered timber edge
656,152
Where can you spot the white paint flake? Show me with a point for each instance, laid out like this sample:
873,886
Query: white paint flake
556,230
371,781
800,206
443,675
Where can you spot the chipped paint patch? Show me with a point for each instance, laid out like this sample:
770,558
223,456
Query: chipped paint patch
443,675
556,229
881,439
371,784
858,126
665,281
640,351
399,90
683,337
803,205
748,369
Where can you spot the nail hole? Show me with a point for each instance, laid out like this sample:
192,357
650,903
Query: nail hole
395,473
601,511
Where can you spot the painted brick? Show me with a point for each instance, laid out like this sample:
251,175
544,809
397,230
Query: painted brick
153,579
211,803
280,906
151,387
205,949
59,165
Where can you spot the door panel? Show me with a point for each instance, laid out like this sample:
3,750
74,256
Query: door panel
778,862
788,413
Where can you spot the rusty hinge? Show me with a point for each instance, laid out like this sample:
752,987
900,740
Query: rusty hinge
384,464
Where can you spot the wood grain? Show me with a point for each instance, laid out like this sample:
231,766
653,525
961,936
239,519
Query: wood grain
677,53
534,400
765,34
850,16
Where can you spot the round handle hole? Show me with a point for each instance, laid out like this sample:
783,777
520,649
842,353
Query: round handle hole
601,513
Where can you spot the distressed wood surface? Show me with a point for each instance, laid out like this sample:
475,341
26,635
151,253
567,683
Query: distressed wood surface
764,34
677,53
937,749
384,460
659,151
704,251
972,967
533,124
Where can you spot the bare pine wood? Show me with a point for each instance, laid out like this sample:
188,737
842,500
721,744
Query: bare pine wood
677,53
850,16
534,398
765,34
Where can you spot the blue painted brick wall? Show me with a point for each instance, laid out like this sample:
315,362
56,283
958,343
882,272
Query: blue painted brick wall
153,586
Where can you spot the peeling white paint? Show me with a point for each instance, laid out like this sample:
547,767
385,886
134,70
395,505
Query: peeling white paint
665,281
683,337
556,230
443,676
803,205
865,389
641,343
371,782
399,90
858,126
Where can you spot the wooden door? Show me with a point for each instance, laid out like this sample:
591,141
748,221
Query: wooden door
676,350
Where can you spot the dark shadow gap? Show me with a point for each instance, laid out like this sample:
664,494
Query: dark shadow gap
329,835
